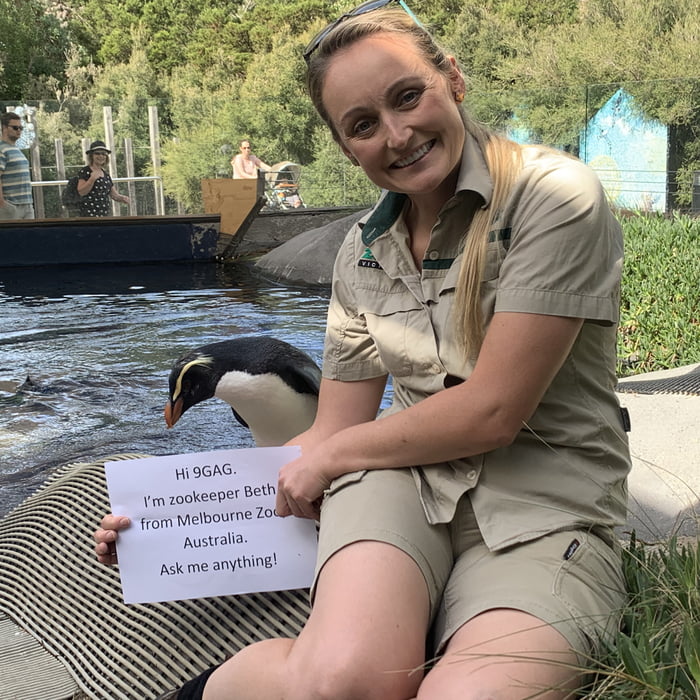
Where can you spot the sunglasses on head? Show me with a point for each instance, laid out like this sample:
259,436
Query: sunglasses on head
362,9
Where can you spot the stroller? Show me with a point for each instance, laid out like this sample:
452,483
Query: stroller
282,186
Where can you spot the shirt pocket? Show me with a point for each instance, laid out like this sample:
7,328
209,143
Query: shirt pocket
495,255
399,326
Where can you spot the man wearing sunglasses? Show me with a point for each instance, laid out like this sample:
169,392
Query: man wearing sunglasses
15,182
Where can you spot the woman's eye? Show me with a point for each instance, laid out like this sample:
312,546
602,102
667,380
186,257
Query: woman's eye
362,127
409,97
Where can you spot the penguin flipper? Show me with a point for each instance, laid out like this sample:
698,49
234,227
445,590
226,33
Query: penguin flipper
239,419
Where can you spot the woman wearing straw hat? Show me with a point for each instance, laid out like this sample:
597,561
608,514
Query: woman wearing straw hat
95,185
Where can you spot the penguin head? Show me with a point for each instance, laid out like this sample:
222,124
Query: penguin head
271,386
192,379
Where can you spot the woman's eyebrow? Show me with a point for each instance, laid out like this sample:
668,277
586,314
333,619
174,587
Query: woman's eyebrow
391,90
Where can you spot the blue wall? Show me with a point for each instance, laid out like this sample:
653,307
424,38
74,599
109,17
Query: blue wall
629,153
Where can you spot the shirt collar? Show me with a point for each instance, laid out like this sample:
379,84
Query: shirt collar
473,173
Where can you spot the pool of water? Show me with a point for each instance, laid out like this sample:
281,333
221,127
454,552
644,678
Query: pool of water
85,354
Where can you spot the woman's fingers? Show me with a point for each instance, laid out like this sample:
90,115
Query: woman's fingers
301,508
106,537
114,522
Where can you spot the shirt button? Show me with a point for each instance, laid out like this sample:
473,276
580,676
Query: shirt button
471,475
433,255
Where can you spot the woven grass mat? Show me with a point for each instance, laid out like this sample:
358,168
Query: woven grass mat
52,588
28,670
688,383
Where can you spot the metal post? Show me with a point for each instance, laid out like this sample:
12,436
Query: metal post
155,158
60,171
109,140
129,158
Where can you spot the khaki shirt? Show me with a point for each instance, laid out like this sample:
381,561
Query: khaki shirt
555,249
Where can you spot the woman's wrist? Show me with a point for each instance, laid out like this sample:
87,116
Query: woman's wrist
337,459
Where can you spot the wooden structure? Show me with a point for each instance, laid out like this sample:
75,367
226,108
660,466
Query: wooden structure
125,239
237,202
233,204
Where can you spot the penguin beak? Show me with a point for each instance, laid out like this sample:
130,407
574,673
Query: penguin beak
172,412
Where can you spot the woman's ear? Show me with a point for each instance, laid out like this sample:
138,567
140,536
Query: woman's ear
457,83
349,155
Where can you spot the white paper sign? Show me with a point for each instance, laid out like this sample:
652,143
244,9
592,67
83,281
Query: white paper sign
205,524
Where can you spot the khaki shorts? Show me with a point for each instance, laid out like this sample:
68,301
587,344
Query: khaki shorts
571,580
16,211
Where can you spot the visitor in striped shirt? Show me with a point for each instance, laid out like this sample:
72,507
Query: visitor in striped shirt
15,182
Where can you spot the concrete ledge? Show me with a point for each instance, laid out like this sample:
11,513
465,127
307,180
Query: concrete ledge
664,484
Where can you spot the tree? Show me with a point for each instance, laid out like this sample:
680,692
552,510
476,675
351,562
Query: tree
201,132
331,180
32,44
273,108
647,47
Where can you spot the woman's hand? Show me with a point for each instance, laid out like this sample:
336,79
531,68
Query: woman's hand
301,485
324,456
106,537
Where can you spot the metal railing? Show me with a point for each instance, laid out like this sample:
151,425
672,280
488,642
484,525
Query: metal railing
142,201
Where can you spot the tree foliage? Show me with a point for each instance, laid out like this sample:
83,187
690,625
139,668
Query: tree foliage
228,69
333,179
33,40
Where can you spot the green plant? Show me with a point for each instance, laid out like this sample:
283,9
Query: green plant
660,299
656,655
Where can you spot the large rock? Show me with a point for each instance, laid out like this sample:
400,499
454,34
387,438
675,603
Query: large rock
308,258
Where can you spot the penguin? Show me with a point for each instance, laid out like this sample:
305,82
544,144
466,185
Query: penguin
271,386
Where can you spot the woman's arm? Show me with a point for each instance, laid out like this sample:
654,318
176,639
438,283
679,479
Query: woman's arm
118,197
520,357
259,164
340,405
85,186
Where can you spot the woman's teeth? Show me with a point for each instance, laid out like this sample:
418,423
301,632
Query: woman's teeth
417,155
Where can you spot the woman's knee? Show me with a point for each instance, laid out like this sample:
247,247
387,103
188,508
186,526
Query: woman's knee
349,677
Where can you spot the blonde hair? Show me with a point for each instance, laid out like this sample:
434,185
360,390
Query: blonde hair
502,156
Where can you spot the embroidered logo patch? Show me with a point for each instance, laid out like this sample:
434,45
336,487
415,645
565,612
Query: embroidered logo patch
368,260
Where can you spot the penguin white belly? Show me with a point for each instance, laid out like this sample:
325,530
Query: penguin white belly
274,412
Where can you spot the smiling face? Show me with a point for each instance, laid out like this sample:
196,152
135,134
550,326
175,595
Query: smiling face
396,114
98,158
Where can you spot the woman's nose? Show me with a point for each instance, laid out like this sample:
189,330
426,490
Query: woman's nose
398,132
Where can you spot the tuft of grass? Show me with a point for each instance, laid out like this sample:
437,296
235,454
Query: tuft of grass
660,298
656,655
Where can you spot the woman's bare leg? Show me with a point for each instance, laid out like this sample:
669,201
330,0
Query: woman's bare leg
365,633
504,654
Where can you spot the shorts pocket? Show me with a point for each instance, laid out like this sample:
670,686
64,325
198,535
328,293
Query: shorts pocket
591,586
343,481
